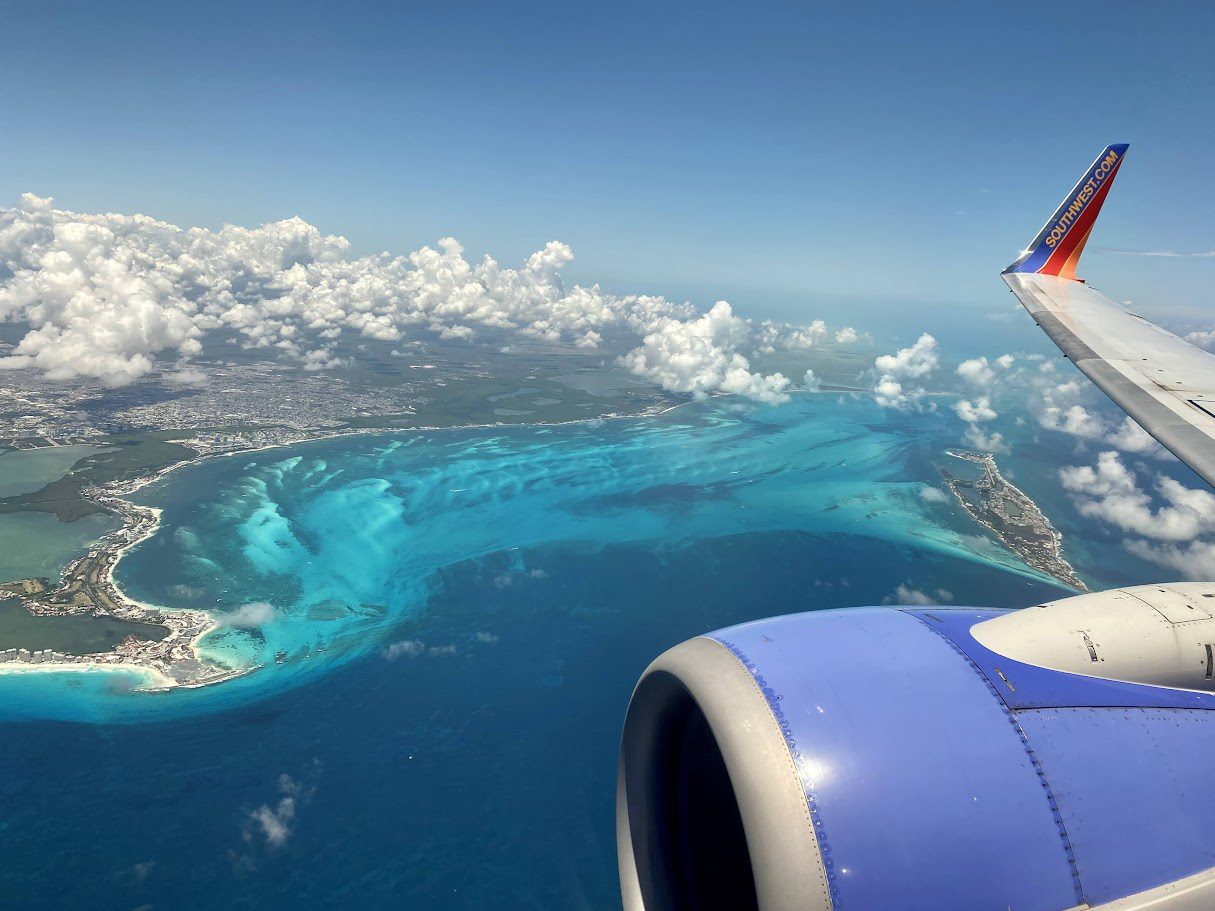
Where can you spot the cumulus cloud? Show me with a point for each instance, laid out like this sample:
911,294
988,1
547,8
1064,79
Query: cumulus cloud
105,296
811,381
1110,492
975,412
1059,406
1165,522
249,616
906,594
1130,437
701,356
272,822
933,494
914,362
849,336
892,388
406,648
1203,338
982,373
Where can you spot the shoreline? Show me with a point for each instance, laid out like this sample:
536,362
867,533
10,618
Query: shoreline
177,661
995,489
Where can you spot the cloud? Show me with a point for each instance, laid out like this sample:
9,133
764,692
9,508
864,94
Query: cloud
701,356
811,382
982,373
275,823
1130,437
486,638
1110,492
891,390
1204,338
1168,523
1074,420
985,440
272,822
849,336
1200,254
905,594
105,296
406,648
977,411
933,494
248,616
1057,407
915,362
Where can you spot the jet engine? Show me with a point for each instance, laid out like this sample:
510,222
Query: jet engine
1057,757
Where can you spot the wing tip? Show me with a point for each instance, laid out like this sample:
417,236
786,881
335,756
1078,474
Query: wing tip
1057,247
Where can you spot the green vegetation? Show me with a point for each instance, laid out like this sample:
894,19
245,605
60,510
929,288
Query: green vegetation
134,455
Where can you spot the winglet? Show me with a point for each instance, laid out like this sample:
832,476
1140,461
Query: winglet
1057,248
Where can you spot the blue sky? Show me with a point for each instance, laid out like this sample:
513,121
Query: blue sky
796,159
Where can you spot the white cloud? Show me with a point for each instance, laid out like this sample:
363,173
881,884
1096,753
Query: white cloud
273,821
849,336
811,382
975,412
933,494
915,362
105,295
1058,408
1168,523
980,372
1203,338
1110,492
410,648
905,594
248,616
918,361
1130,437
987,441
701,356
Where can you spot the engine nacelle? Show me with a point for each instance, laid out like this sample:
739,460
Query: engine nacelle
887,758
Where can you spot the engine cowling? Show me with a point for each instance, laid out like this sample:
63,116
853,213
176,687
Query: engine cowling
886,758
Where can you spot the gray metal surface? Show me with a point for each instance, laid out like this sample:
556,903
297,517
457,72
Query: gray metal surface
1163,382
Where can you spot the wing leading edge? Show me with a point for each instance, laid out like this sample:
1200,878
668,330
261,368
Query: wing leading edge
1163,382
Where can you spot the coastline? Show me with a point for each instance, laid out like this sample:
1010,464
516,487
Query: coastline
176,661
1013,517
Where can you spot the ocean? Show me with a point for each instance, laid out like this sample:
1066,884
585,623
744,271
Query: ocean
446,627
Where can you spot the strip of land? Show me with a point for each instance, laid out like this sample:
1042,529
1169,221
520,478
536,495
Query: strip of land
1004,509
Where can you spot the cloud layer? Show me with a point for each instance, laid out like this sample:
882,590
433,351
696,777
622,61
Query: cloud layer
105,295
1165,522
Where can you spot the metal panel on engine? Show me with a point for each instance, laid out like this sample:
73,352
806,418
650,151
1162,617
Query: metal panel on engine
923,792
1133,787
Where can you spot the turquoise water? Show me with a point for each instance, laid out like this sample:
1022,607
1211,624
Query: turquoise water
36,544
343,539
461,617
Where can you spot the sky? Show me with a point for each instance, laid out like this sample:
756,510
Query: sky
792,158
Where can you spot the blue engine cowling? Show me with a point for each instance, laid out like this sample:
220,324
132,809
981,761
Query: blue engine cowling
882,758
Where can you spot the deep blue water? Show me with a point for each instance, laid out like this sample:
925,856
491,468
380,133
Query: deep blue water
526,576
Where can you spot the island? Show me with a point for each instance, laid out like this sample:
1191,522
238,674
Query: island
1004,509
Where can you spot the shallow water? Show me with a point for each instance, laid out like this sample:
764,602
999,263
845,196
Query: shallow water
27,470
36,544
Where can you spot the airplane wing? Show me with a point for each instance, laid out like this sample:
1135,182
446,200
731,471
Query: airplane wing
1163,382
